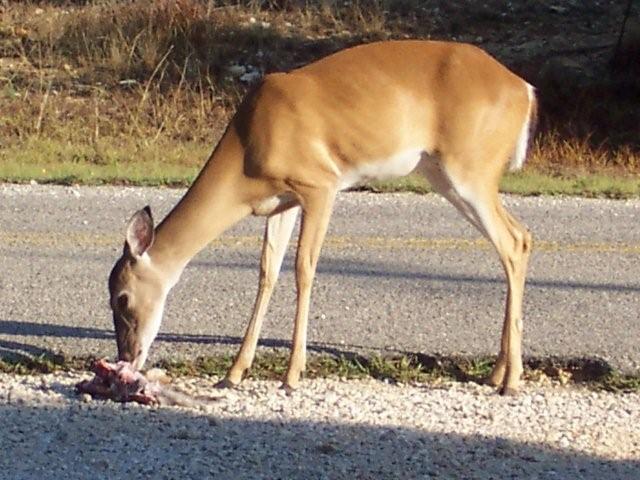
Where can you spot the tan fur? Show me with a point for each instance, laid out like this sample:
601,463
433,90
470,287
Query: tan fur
448,109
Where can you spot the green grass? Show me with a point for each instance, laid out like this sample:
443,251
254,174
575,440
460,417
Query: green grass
49,363
532,182
620,383
135,92
585,185
176,164
51,161
400,368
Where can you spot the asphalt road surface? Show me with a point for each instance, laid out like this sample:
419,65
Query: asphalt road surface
398,272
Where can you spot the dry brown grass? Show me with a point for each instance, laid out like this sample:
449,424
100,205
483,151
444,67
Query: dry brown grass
162,71
555,153
155,73
185,40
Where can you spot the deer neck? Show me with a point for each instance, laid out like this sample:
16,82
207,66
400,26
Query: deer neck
215,201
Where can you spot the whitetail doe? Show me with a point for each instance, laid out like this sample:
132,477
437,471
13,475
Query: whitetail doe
446,110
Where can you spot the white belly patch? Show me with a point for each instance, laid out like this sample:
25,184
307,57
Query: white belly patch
398,165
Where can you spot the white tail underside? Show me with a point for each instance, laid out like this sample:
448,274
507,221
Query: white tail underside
520,154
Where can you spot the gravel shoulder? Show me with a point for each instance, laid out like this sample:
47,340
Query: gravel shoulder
329,429
580,300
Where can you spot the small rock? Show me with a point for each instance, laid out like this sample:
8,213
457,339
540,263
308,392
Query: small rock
158,375
182,434
564,442
250,77
101,464
554,437
236,70
558,9
327,448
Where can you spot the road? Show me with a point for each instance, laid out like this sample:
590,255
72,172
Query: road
398,272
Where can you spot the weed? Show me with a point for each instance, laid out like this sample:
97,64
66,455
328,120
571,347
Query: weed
114,84
45,363
400,368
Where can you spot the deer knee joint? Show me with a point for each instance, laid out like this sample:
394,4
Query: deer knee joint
267,279
527,242
303,274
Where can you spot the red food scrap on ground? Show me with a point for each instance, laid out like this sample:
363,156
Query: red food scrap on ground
121,383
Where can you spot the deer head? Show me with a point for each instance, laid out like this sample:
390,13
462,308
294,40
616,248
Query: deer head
137,292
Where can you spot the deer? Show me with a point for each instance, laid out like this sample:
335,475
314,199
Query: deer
446,110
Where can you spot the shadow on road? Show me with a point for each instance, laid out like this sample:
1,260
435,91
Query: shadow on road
14,327
585,368
11,349
362,269
21,352
103,441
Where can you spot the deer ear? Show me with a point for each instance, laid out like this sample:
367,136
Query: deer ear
140,232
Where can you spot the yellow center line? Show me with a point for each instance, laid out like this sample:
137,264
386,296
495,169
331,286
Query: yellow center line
79,239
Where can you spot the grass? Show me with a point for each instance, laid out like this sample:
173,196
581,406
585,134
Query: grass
586,185
401,368
108,162
124,92
116,161
532,182
46,363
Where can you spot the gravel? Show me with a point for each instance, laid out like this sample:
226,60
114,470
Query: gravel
330,429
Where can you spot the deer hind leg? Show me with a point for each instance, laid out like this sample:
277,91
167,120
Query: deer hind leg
480,204
276,238
508,369
317,205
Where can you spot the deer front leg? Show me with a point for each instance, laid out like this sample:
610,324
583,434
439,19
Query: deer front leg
316,211
276,238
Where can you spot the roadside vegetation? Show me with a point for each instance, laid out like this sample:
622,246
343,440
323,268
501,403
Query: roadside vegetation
399,368
137,92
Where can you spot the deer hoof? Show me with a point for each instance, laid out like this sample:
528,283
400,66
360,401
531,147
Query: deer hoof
508,392
226,383
288,389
